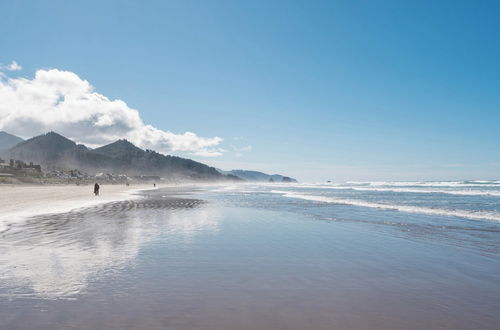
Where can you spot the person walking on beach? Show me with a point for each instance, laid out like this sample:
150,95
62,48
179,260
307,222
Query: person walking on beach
96,189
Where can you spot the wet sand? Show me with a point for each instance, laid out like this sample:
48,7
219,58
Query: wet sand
174,260
20,201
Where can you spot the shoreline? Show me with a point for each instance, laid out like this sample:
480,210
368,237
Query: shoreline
19,202
272,261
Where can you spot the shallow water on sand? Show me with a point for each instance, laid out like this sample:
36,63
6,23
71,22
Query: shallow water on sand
234,259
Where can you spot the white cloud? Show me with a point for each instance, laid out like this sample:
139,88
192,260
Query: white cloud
61,101
12,67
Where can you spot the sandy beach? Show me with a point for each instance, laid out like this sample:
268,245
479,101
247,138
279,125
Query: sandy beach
240,257
19,201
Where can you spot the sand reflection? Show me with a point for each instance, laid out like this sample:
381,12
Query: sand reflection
58,256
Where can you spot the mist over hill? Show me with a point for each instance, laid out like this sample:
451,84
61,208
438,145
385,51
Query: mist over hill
55,150
256,176
52,150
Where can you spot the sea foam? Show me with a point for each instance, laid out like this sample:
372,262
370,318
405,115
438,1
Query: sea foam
475,215
463,192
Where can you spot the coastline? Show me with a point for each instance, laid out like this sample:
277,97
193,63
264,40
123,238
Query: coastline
275,262
19,202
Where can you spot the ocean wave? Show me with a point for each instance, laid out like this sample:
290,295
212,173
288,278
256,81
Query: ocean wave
477,215
493,183
468,192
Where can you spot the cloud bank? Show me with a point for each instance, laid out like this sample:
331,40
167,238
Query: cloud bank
61,101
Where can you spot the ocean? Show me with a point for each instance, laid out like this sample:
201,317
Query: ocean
466,213
357,255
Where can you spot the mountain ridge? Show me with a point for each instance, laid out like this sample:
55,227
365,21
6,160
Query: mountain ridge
54,150
256,176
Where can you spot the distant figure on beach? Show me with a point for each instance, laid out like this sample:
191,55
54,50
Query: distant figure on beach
96,189
154,185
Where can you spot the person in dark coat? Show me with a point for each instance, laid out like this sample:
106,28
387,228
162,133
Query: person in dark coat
96,189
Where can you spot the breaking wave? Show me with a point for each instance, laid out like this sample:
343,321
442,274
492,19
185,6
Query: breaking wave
463,192
475,215
493,183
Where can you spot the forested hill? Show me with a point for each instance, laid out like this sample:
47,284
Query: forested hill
55,150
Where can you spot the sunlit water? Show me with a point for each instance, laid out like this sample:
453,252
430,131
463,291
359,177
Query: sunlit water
347,256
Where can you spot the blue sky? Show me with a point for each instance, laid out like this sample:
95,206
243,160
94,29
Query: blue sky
339,90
